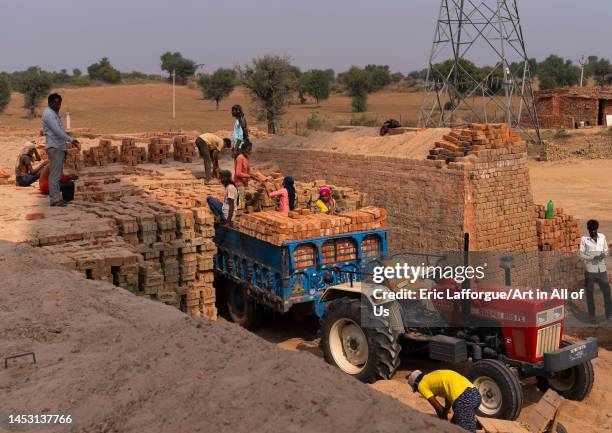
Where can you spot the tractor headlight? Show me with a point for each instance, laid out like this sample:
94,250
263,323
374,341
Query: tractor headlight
558,313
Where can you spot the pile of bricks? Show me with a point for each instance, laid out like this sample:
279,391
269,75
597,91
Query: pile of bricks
109,259
561,233
184,149
103,154
277,229
4,177
130,154
159,150
461,142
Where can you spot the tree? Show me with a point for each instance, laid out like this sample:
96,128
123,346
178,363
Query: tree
5,92
104,71
555,71
317,83
357,82
218,85
270,81
35,85
76,72
183,67
599,69
380,76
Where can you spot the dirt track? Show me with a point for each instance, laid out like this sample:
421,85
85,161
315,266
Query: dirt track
118,363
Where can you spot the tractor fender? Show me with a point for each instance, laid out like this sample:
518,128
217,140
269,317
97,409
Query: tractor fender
365,292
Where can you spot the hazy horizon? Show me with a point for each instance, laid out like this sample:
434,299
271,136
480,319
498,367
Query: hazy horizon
68,34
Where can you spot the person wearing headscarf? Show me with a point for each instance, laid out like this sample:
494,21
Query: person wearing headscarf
326,203
286,195
25,174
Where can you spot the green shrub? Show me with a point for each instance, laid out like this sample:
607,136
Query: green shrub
5,92
81,81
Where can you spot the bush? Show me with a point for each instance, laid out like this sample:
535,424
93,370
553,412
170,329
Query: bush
218,85
561,134
104,71
81,81
315,122
357,82
365,121
5,92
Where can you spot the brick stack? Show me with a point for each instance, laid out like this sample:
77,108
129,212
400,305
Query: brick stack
561,233
103,154
4,177
109,259
184,149
74,159
277,229
461,142
130,154
159,149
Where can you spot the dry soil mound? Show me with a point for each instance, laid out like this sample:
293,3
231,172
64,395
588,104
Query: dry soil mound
119,363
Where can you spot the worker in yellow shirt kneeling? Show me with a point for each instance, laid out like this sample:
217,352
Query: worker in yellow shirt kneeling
457,392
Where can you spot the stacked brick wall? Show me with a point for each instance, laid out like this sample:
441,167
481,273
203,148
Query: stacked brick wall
424,201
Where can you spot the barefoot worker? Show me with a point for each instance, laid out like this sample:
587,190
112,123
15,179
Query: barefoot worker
210,146
57,138
457,392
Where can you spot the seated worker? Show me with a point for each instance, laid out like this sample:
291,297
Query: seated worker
209,146
286,195
66,184
457,392
326,203
226,211
25,175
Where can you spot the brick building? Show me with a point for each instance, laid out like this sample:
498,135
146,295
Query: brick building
567,107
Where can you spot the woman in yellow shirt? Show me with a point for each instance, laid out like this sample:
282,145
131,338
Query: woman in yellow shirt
457,392
326,203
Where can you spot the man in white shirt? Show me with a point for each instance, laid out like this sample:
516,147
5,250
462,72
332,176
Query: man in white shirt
594,250
226,211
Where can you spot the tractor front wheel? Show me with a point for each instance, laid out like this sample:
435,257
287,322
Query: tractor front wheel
366,353
499,387
574,383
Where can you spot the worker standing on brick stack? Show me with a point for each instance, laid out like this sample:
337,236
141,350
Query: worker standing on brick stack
594,250
210,146
226,211
286,195
241,131
457,392
242,171
57,138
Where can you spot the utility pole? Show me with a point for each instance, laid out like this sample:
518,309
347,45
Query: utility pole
582,64
173,93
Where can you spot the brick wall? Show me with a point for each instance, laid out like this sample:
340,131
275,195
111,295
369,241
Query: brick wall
425,204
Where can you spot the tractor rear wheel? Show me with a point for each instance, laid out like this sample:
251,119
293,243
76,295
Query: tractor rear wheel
366,353
499,387
243,309
575,383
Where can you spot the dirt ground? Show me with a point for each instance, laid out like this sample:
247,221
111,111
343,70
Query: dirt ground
117,362
148,107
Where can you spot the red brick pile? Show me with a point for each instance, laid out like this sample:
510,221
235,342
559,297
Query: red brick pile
159,149
460,142
4,177
184,149
130,154
277,229
103,154
561,233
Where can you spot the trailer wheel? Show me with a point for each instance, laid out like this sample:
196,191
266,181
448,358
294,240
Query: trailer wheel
368,354
243,309
499,387
574,383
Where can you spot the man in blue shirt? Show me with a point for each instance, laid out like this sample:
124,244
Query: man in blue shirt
56,136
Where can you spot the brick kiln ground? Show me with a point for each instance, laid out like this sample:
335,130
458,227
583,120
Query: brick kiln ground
120,363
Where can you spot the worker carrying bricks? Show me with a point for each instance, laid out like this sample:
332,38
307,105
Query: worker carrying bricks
242,171
25,173
594,250
241,131
286,195
325,203
56,137
226,211
457,391
210,146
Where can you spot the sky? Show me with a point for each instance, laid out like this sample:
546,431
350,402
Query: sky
71,34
